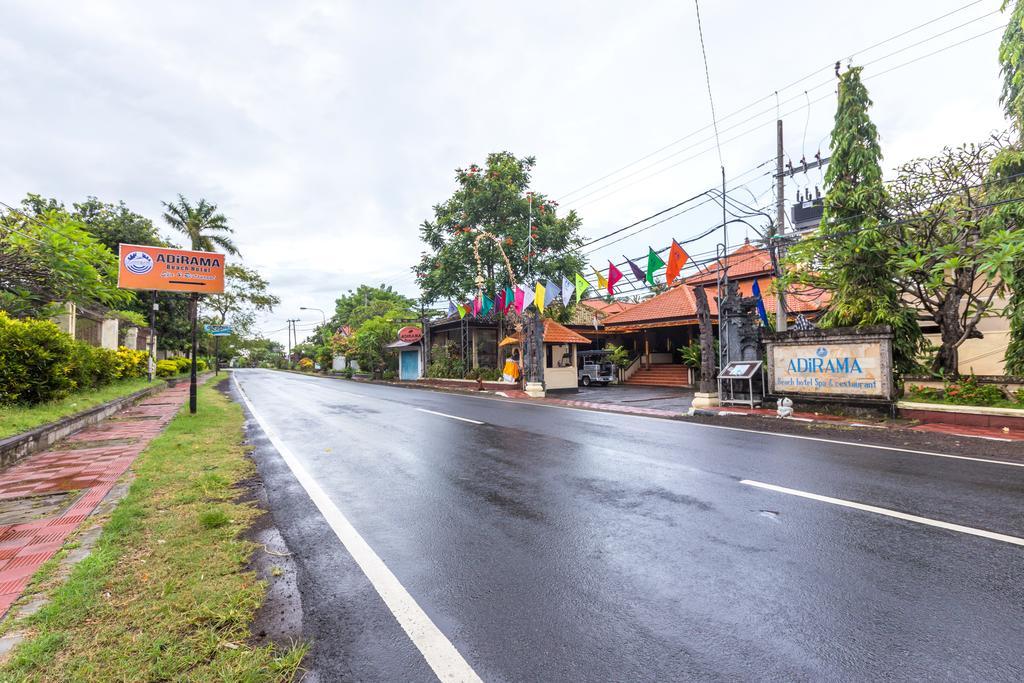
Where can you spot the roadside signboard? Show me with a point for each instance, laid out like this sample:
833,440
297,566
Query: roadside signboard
218,330
410,335
170,270
840,363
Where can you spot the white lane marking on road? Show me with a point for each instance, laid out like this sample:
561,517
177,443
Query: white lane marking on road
441,655
454,417
896,449
888,513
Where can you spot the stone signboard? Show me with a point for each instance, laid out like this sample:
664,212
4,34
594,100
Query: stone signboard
840,363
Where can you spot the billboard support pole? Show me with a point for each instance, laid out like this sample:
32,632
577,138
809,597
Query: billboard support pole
193,305
151,365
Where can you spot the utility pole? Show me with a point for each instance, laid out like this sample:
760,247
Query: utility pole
780,222
291,325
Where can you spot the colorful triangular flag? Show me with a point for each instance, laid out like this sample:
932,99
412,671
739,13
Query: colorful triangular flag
654,263
519,299
614,275
538,297
451,308
499,300
581,287
638,274
567,290
477,304
510,299
676,260
756,291
551,292
462,310
487,305
602,281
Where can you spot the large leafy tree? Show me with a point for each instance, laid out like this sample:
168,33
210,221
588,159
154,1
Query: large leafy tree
847,256
246,293
495,198
1007,172
115,224
205,228
357,306
952,253
50,257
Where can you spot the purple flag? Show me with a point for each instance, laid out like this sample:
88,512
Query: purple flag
638,274
499,300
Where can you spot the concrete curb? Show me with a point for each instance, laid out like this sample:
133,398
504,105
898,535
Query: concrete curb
14,448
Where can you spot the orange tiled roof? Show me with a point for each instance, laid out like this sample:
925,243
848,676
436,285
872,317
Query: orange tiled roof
746,261
560,334
679,305
607,307
678,302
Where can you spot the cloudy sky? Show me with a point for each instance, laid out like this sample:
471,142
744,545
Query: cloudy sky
327,130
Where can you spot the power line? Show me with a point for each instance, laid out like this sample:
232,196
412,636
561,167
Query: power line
754,103
707,79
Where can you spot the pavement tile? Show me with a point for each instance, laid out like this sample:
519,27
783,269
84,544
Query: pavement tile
14,586
92,469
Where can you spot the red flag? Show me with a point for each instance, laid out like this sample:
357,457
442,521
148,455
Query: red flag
676,260
614,275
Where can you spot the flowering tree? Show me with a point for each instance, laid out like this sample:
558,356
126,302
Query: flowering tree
495,198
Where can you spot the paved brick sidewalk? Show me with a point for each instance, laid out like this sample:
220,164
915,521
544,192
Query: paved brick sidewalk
88,464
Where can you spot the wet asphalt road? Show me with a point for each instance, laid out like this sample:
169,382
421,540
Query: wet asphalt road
553,544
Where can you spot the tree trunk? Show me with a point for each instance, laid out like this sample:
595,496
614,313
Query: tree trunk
707,343
947,359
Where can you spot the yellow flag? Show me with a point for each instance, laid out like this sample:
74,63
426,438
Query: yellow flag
538,298
602,281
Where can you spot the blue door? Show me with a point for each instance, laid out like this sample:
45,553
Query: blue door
409,365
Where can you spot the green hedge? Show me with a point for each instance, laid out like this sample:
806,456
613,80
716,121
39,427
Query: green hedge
39,362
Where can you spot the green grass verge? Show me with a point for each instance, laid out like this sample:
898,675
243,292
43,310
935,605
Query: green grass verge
17,419
164,595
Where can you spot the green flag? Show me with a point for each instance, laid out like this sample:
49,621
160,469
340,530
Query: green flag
581,286
653,263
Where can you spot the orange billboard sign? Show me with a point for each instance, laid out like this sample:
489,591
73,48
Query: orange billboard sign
170,270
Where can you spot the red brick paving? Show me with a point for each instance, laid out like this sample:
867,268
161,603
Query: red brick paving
964,430
92,470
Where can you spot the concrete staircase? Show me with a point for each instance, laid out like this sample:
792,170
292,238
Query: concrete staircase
660,376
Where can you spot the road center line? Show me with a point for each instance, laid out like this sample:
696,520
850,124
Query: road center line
454,417
888,513
441,655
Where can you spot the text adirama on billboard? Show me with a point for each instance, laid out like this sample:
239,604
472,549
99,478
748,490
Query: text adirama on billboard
171,270
829,369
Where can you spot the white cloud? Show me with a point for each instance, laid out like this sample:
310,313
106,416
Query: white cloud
327,130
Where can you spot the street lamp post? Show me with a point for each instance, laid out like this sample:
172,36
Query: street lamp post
323,328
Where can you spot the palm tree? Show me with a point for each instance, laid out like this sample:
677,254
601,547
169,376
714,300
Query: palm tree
201,223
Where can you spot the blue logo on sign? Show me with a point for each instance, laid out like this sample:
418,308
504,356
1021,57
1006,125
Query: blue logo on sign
821,352
138,262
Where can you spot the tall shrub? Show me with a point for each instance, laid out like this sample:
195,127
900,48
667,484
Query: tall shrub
33,361
848,255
